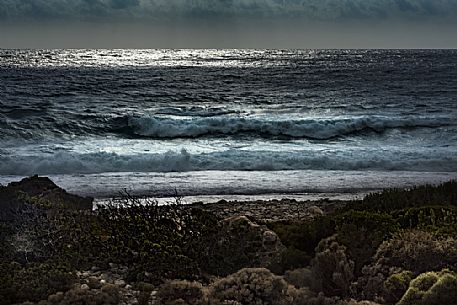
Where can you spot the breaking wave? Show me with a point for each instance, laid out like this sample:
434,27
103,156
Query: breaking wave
237,160
316,128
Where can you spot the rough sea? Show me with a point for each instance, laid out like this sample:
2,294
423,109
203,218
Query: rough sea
246,123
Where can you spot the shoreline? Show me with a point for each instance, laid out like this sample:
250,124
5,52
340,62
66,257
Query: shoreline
208,186
182,249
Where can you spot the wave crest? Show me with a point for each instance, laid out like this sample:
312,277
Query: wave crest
316,128
230,160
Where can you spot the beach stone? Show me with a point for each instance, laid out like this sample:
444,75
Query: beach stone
94,282
85,287
120,283
315,211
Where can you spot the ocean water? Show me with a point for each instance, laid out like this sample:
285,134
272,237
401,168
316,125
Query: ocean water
229,122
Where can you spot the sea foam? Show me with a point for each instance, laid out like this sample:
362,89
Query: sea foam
311,128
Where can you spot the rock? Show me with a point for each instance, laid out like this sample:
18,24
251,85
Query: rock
94,283
315,211
120,283
85,287
41,192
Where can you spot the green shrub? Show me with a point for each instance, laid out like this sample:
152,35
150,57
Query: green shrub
108,295
362,232
182,293
32,283
300,278
439,219
432,288
332,268
292,258
397,199
250,286
396,285
418,251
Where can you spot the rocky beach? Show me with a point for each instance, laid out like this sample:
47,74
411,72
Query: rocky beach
57,249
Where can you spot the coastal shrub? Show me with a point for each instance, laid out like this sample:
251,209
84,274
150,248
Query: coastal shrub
108,295
250,286
292,258
304,235
397,199
300,278
432,288
411,250
182,293
396,285
362,232
418,251
34,282
332,268
6,249
439,219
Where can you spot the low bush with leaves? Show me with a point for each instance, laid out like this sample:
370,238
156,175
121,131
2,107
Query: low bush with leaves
432,288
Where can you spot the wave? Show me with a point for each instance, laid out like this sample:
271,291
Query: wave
316,128
231,160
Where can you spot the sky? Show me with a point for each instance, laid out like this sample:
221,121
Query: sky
228,23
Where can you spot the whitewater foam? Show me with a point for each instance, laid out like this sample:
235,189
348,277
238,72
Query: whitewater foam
239,160
311,128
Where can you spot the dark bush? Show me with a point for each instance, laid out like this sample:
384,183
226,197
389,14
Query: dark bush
182,292
332,268
397,199
250,286
362,232
304,236
417,251
32,283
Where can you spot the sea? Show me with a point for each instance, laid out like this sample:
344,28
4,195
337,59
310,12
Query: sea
229,124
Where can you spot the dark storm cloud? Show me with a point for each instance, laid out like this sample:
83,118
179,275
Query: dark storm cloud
151,9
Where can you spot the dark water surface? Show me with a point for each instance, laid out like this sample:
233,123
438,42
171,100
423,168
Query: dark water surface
229,121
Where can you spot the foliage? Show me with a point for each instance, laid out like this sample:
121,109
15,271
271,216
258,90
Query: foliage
439,219
300,278
304,236
182,293
397,199
32,283
108,295
362,232
292,258
256,286
396,285
332,268
432,288
417,251
250,286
